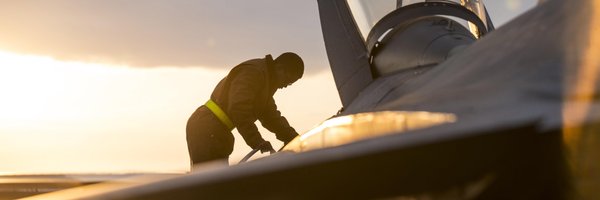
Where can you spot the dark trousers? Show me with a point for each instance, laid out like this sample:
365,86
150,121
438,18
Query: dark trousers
207,138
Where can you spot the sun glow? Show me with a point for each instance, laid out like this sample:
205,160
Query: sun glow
38,89
579,134
77,117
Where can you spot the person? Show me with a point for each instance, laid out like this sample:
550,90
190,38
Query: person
242,97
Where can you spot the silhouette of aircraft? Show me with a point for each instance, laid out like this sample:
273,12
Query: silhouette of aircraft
437,104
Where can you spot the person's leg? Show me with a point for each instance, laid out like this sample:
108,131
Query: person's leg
225,140
207,138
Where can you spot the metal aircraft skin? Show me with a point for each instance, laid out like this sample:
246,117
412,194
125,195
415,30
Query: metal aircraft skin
511,113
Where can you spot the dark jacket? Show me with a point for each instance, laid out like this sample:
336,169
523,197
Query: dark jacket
246,95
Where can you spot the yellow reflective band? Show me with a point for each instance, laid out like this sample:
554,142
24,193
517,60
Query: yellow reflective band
212,106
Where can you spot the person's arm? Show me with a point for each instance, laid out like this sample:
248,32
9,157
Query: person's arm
272,120
242,93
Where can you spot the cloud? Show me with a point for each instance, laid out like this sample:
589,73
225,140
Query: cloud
151,33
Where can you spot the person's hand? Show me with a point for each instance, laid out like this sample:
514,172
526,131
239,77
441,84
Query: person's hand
266,147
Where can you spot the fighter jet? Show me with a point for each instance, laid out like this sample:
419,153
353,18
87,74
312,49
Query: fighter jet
437,104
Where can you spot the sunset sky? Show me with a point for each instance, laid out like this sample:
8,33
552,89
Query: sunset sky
107,86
